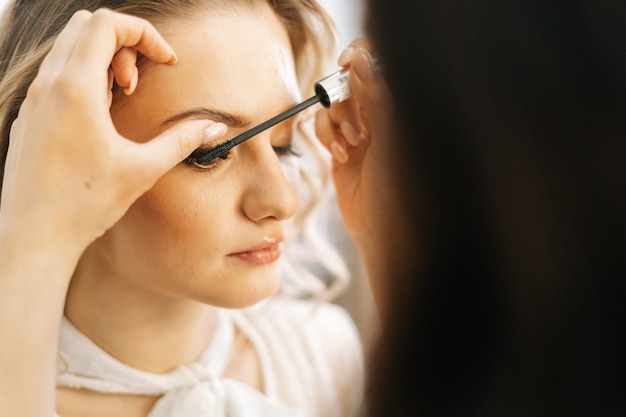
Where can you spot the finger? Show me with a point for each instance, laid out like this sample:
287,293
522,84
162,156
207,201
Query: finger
330,136
111,77
349,132
347,116
65,42
345,58
369,88
374,99
177,143
124,69
108,32
325,130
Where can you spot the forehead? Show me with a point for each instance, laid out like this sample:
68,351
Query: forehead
237,60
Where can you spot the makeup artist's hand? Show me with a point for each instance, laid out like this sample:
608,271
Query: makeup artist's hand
356,132
69,174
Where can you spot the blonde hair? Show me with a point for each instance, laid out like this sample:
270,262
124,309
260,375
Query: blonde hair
29,29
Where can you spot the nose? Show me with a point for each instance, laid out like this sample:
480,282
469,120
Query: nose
269,193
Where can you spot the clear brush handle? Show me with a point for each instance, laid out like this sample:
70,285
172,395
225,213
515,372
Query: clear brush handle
336,87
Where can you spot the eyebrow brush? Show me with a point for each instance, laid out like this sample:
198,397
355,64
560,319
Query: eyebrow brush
329,91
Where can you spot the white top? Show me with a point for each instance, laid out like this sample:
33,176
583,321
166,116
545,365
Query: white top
311,361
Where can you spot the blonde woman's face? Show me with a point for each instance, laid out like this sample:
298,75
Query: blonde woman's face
212,233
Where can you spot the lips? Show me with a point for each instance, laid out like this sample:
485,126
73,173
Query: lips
264,253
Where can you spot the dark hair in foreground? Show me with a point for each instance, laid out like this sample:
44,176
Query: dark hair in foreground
512,164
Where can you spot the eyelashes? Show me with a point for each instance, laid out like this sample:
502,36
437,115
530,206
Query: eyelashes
288,150
192,160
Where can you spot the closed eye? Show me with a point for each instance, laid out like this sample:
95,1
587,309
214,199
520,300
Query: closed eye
286,150
200,154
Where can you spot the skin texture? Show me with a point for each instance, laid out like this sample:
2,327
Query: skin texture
145,290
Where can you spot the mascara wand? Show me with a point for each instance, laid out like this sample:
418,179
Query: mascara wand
230,144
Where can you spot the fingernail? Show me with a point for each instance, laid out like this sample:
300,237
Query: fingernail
365,68
173,59
133,82
214,130
346,56
350,133
338,152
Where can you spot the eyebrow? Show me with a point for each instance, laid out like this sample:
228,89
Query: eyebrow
198,113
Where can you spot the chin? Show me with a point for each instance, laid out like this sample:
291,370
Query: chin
245,295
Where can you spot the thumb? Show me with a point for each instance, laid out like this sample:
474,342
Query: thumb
374,98
177,143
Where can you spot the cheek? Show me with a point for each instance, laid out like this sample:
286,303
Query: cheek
177,214
183,209
168,230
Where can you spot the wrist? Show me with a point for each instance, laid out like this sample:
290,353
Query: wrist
34,278
34,259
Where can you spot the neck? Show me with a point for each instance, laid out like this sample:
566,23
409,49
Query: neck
140,327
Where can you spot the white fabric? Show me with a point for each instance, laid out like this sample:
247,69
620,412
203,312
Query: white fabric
311,361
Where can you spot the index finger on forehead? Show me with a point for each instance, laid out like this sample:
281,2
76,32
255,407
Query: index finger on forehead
109,31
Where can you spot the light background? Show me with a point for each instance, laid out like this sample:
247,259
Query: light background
349,15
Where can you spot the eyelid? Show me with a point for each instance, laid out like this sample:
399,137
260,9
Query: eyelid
287,150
